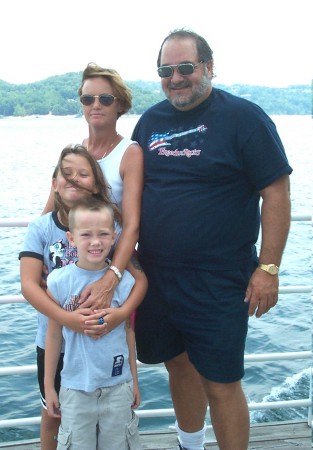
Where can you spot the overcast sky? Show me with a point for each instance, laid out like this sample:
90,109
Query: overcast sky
255,42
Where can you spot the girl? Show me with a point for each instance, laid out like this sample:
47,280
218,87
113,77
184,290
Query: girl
76,176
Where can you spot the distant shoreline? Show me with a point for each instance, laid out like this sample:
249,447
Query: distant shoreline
68,116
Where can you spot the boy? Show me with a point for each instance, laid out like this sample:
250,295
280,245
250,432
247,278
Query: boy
99,385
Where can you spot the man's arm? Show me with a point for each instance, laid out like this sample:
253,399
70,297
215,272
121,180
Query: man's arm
262,291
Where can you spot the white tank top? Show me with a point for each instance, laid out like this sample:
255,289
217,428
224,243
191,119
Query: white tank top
110,166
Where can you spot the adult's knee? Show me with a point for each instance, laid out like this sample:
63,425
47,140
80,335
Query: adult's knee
222,392
180,367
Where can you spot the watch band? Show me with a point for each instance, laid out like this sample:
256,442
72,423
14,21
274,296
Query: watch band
117,272
272,269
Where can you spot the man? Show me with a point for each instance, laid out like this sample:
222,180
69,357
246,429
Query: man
209,158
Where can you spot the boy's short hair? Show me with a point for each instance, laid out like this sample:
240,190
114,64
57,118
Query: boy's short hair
88,204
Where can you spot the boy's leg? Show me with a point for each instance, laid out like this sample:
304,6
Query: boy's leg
78,429
118,425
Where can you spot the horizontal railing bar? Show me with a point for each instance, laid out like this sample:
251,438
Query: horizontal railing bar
261,357
301,217
300,289
17,221
24,221
169,412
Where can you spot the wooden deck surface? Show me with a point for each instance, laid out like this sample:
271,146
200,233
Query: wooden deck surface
279,435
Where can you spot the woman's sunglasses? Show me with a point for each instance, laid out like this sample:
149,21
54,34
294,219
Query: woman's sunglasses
104,99
183,69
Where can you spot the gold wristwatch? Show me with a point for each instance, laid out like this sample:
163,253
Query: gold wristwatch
272,269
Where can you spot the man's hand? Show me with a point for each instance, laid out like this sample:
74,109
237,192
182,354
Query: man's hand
98,295
262,292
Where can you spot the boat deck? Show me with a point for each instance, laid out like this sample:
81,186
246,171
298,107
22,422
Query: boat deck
282,435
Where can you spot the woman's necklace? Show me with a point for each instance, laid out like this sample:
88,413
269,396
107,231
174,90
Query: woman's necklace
110,147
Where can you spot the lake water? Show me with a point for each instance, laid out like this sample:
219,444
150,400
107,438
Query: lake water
29,150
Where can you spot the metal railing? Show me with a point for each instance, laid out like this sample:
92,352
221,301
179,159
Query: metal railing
169,412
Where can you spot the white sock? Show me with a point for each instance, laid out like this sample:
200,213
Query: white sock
191,441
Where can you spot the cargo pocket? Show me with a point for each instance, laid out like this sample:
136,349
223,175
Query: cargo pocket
132,433
64,439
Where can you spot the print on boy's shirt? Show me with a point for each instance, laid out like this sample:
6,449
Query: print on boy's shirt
61,254
72,303
118,363
158,140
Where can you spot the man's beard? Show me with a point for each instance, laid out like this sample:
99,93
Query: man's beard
198,91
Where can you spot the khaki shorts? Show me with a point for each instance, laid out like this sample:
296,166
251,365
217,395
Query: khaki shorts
99,420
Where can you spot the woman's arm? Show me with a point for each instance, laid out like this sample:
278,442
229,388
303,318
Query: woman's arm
30,273
50,203
99,294
115,316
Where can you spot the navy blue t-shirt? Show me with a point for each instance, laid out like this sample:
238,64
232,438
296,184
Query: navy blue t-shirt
204,169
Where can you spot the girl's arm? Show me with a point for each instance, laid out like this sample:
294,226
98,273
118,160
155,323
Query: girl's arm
30,273
131,342
99,294
52,354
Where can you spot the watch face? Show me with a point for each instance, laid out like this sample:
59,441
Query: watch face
272,269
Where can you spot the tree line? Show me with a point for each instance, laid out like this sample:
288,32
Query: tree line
58,95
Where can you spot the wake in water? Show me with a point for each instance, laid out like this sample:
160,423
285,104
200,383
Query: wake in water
296,387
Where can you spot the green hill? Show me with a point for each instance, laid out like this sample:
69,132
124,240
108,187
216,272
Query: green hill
57,95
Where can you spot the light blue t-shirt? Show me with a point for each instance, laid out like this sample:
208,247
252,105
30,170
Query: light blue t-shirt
90,364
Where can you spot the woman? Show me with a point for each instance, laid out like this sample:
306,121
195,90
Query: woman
105,97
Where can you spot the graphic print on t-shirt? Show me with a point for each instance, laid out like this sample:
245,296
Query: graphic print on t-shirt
162,142
61,254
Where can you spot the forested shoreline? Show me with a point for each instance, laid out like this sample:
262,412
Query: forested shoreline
57,95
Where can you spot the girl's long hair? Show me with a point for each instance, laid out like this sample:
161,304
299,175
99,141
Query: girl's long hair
102,187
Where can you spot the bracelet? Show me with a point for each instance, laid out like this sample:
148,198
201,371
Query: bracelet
117,272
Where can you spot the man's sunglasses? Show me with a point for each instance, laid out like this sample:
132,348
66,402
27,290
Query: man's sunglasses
183,69
104,99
